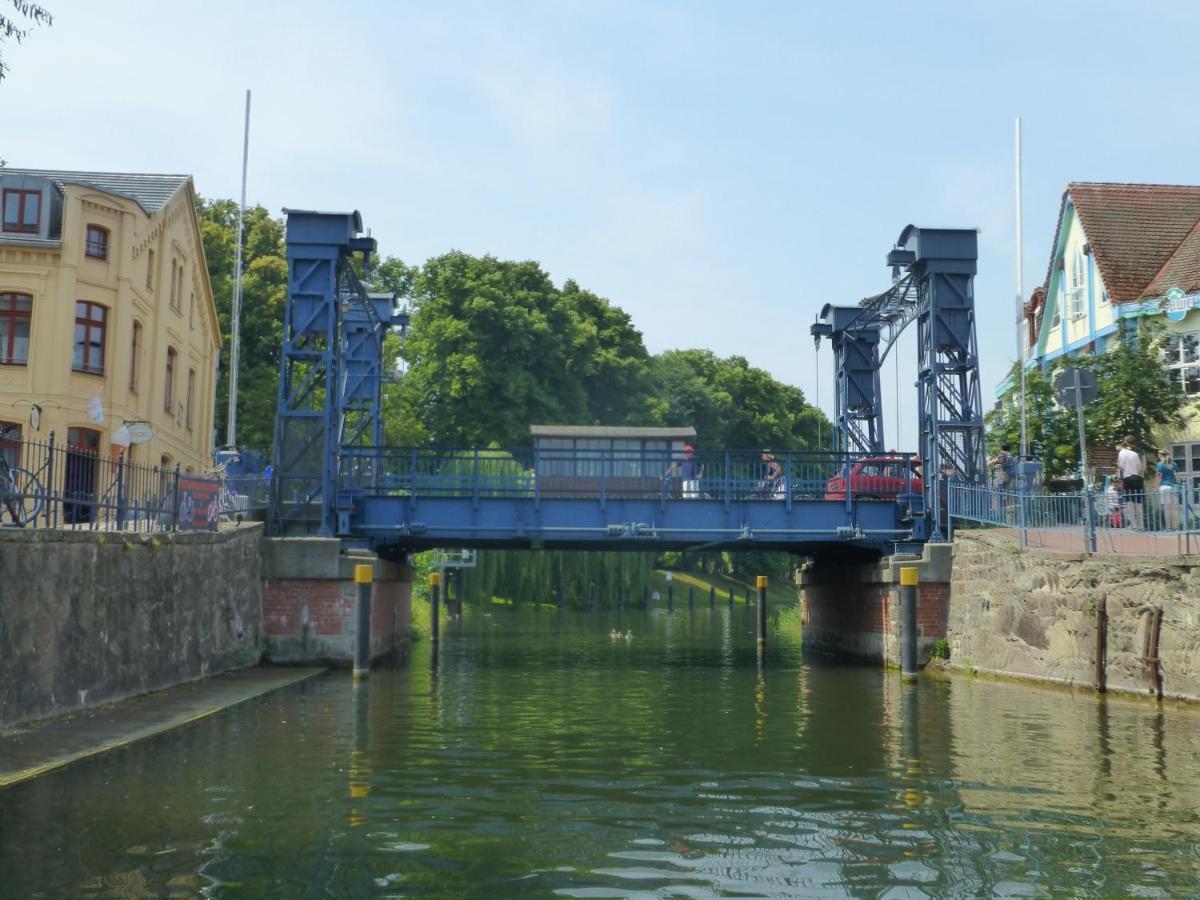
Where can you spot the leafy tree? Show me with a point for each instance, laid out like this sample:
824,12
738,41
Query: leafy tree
491,351
1135,395
15,29
264,293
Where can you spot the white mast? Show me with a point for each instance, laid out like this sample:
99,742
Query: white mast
235,325
1021,303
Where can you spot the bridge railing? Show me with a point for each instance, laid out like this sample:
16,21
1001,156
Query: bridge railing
1153,522
628,473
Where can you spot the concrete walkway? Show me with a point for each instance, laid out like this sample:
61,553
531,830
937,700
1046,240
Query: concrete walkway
42,747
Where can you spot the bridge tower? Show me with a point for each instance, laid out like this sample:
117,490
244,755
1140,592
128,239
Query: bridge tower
933,271
330,369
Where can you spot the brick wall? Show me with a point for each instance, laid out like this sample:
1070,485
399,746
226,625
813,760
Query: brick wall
854,610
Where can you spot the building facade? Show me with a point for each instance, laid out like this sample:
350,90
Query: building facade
106,315
1122,252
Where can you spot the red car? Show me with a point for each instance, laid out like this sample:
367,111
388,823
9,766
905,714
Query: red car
878,478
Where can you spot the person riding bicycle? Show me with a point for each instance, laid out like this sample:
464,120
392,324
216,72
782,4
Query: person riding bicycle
772,483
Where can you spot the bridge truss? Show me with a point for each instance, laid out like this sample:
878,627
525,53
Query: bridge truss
933,272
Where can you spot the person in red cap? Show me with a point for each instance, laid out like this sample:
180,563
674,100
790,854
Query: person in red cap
690,470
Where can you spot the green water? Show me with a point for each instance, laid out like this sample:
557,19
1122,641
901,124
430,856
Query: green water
546,758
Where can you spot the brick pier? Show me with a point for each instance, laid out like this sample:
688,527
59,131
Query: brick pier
308,602
853,611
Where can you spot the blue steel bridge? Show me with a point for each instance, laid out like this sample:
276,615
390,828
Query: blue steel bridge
421,497
334,476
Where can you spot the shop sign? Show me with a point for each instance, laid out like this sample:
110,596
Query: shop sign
1174,304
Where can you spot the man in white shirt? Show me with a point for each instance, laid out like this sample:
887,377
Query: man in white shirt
1130,468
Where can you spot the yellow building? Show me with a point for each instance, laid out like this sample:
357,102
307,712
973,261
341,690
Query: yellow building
1121,252
106,314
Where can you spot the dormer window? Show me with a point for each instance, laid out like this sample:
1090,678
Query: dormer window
22,211
97,242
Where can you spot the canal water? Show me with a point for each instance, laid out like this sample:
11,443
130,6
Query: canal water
548,757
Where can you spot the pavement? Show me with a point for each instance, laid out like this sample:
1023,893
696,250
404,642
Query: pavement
41,747
1130,541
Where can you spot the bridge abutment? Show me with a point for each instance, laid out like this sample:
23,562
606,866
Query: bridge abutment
852,611
309,602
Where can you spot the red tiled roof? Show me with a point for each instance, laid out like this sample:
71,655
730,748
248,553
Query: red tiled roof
1141,235
1182,270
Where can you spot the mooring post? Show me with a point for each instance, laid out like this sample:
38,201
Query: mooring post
908,621
1102,645
746,593
762,618
364,575
731,598
435,583
712,595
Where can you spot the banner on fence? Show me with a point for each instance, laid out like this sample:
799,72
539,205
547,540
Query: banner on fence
199,503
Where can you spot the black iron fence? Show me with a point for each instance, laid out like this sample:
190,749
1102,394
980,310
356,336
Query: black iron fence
49,484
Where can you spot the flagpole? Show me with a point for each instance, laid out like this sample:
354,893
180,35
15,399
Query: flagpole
1021,337
235,325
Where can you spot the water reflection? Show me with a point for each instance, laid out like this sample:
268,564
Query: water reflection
546,758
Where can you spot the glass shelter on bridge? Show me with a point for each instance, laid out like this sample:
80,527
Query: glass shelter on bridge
629,458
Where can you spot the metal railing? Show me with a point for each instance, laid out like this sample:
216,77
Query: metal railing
1152,522
47,484
617,473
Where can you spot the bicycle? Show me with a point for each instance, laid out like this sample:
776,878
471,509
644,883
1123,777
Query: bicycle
20,491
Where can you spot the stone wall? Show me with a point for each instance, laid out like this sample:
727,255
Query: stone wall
1033,614
309,598
92,617
853,611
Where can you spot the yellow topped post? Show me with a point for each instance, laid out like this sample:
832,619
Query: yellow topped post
364,576
434,579
762,581
908,621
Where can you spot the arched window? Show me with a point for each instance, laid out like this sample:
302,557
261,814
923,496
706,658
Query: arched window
169,390
135,353
15,312
89,338
96,245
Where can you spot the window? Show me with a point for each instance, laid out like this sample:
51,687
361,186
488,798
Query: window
97,242
15,310
174,284
150,271
80,480
89,338
10,443
1076,293
169,390
135,353
191,393
192,310
22,211
1183,361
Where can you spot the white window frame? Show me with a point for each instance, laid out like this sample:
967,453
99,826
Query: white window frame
1183,361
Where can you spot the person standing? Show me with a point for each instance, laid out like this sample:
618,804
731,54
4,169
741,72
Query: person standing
1130,468
1165,469
690,470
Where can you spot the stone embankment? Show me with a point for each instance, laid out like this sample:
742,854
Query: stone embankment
1036,614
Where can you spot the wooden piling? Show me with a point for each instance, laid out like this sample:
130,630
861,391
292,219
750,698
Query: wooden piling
1101,653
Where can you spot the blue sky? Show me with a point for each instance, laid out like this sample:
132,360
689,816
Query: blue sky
718,170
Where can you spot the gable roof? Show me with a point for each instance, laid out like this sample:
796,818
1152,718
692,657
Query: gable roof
1141,235
150,192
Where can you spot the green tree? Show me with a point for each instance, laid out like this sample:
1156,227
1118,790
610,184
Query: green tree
264,294
13,28
491,351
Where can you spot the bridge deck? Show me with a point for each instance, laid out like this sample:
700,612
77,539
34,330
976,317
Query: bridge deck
418,498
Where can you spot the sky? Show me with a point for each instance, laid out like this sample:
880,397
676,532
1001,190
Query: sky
718,170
